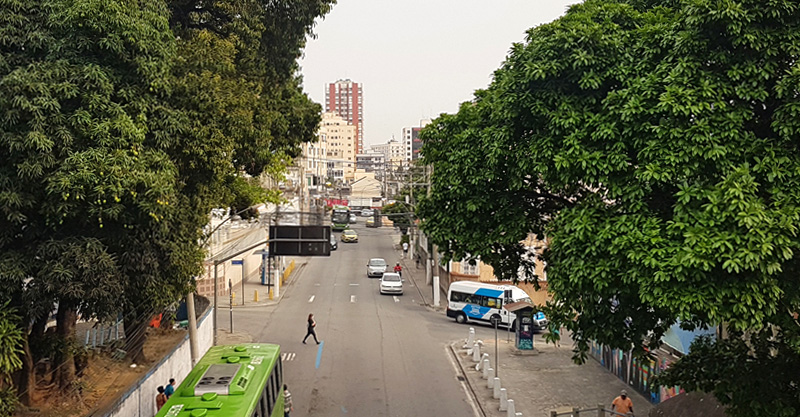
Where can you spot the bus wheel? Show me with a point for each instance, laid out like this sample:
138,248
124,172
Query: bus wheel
461,318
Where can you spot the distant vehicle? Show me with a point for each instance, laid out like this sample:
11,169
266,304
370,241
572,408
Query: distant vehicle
469,300
371,222
349,236
353,218
340,217
391,283
376,267
334,243
233,380
367,213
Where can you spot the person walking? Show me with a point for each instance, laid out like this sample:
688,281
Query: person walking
311,332
405,249
287,401
161,398
622,404
170,388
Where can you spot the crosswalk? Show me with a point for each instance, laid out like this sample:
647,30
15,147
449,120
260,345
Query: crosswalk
288,356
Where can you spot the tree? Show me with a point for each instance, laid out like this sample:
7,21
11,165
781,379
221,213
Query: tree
654,143
11,339
401,215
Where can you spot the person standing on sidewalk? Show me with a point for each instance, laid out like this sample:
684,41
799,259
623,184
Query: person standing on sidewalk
287,401
622,404
170,388
311,332
161,398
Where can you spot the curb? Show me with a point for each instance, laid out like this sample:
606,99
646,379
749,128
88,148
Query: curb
464,375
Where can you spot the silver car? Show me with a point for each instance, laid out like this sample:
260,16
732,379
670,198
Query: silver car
391,283
376,267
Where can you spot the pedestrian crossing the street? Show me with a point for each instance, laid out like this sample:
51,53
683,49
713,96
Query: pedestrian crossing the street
288,356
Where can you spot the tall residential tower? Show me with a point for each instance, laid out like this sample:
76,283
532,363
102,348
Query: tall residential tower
345,98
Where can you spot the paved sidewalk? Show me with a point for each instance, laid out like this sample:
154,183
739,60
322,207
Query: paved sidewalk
538,384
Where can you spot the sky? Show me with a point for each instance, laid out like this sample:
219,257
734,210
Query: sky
416,59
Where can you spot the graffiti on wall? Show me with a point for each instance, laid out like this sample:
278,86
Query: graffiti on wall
636,373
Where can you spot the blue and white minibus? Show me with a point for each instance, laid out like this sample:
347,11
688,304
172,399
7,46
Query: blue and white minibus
470,300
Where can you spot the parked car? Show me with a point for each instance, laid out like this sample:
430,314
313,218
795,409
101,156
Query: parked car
376,267
349,236
391,283
334,243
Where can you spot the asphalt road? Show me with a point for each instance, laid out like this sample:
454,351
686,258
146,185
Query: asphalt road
380,355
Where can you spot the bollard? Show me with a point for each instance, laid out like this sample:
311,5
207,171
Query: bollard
576,411
553,414
490,379
471,338
270,293
255,296
518,414
485,368
503,399
476,352
512,412
496,388
600,411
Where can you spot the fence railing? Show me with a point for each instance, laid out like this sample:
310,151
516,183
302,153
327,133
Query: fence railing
598,411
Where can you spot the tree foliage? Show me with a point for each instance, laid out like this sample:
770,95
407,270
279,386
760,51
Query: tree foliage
654,143
121,124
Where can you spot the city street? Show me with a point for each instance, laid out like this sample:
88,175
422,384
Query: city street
380,355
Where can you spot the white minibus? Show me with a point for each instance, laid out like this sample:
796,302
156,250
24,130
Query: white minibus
470,300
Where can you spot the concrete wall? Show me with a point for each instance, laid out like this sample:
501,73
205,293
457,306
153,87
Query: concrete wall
140,400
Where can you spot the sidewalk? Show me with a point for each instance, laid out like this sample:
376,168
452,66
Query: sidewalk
539,383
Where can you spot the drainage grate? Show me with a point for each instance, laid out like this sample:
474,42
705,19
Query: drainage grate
460,378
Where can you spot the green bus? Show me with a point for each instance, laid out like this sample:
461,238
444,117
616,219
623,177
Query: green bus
243,380
340,217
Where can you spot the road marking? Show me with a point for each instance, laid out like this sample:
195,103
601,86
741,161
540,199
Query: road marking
354,285
317,284
319,353
352,298
311,300
396,300
288,356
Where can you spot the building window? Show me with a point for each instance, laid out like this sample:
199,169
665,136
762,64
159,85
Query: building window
469,269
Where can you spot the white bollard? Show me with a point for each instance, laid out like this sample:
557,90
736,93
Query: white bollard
476,352
471,338
485,368
503,399
518,414
496,388
512,412
490,379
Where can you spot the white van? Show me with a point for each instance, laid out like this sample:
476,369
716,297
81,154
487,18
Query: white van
470,300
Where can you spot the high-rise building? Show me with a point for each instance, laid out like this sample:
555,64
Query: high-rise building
412,142
339,146
345,98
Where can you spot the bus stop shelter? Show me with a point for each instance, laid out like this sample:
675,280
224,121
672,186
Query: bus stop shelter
524,329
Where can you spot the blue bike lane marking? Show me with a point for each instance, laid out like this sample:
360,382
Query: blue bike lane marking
319,353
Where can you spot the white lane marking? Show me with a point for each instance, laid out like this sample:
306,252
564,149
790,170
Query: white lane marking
352,298
396,300
288,356
317,284
311,300
354,285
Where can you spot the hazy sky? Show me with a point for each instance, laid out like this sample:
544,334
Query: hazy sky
416,59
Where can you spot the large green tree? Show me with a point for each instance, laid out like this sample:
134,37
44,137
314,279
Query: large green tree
654,143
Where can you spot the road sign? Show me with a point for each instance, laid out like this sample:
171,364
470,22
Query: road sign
300,240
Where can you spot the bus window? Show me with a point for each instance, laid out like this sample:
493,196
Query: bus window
457,297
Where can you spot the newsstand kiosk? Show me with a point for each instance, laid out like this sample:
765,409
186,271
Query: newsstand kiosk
524,329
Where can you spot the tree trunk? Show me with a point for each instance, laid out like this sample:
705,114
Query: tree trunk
25,378
66,318
135,336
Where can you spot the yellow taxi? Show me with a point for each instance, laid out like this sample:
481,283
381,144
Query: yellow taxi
349,235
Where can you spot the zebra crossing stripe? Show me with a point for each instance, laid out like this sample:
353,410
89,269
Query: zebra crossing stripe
288,356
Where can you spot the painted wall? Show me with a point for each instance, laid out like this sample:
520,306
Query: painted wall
140,400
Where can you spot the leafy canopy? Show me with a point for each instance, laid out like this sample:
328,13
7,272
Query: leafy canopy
654,144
